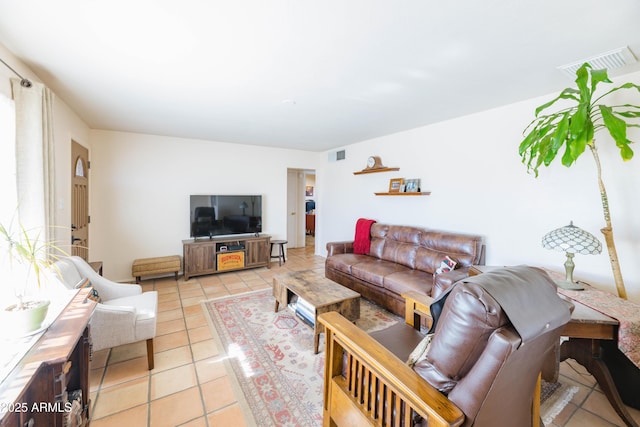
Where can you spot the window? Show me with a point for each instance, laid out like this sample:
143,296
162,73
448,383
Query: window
79,167
7,160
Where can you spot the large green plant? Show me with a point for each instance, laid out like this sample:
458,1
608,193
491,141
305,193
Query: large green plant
573,128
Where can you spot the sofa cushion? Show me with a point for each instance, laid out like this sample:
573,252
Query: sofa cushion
343,262
400,245
435,245
378,236
373,271
146,304
409,280
399,338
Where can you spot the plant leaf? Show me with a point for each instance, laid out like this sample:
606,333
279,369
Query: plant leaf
568,93
582,80
557,140
618,130
581,133
598,76
626,152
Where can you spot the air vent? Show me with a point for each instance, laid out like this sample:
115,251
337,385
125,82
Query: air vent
616,58
337,155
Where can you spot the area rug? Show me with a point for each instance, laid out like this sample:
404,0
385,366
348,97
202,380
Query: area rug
270,357
554,397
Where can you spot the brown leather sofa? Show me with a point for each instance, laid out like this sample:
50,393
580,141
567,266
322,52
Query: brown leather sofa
402,259
489,344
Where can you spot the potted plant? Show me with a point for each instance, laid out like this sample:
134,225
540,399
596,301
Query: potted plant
573,127
27,257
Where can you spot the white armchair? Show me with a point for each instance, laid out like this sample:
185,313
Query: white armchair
124,315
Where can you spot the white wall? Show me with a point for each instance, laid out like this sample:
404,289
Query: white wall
479,185
140,187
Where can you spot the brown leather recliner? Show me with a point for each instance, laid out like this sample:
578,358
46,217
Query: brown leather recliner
490,341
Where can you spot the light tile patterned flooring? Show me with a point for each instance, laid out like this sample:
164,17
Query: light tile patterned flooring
189,386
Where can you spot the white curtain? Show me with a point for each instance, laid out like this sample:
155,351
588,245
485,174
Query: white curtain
7,160
35,170
7,189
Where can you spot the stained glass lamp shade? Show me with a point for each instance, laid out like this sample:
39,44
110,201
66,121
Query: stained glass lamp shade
571,240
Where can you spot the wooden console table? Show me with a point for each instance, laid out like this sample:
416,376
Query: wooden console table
586,329
37,391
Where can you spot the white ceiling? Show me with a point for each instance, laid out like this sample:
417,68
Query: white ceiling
311,75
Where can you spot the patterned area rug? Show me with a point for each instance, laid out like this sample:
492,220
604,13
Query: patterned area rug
271,357
553,398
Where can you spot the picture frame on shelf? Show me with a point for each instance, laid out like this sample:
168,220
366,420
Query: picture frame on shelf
309,191
395,184
412,185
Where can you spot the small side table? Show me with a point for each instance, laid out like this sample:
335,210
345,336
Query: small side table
417,308
280,255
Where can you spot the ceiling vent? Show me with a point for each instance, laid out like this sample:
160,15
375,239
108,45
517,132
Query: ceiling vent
616,58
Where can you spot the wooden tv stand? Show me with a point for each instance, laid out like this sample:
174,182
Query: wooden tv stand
222,254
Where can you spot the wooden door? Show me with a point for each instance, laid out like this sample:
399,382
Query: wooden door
295,206
79,200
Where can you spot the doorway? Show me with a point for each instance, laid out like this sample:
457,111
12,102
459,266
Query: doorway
310,208
300,224
79,201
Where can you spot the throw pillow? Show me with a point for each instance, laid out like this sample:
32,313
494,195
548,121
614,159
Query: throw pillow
420,352
447,264
93,295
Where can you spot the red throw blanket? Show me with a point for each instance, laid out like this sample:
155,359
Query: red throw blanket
362,240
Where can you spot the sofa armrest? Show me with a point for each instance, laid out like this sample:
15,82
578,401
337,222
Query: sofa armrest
344,247
375,380
109,290
443,281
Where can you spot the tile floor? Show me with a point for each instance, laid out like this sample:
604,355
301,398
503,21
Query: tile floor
189,386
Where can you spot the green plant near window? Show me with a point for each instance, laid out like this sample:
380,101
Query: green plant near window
573,127
28,249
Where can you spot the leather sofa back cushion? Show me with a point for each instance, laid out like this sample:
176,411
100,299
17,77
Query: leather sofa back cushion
467,321
422,249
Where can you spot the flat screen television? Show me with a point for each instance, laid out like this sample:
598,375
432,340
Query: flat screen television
221,215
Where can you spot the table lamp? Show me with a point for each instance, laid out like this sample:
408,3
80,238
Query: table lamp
571,240
243,206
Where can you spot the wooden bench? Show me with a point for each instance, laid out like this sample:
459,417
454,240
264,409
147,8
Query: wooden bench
155,266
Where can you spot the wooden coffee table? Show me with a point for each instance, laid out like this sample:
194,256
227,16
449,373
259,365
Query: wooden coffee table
322,294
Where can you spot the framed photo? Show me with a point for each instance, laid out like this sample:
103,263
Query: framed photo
395,184
412,185
309,191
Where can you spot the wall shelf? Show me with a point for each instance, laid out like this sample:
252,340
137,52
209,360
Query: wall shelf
412,193
385,169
